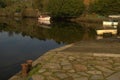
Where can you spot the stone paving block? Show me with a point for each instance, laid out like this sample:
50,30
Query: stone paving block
117,68
56,70
52,78
103,69
67,67
42,70
16,78
79,67
83,74
95,72
71,71
115,76
116,64
106,74
61,75
38,77
71,58
81,78
96,77
47,73
65,62
74,75
69,78
52,66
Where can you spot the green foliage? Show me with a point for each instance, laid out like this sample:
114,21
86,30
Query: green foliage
2,4
105,7
33,71
65,8
18,9
40,4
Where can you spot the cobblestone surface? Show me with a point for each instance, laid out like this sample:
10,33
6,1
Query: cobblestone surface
79,67
67,65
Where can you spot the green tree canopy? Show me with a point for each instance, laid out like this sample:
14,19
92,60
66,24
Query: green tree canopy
2,4
105,7
65,8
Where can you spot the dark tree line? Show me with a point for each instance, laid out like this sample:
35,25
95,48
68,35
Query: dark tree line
105,7
67,8
2,4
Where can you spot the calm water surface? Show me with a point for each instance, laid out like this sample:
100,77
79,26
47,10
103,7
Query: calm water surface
27,39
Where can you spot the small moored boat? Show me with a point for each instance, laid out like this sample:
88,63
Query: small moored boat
44,18
110,23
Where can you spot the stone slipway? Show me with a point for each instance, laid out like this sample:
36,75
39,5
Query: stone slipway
88,60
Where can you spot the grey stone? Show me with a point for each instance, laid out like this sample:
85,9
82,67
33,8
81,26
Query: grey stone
81,78
42,70
52,66
71,71
117,68
51,78
65,63
103,69
115,76
83,74
71,58
37,77
117,64
16,78
94,72
74,75
79,67
61,75
96,77
47,73
106,74
67,67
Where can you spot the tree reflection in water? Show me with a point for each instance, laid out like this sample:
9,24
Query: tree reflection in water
27,39
65,32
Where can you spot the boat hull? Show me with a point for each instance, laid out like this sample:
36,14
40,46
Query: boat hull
109,23
44,18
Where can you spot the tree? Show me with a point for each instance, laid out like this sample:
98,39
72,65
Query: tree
2,4
105,7
65,8
40,4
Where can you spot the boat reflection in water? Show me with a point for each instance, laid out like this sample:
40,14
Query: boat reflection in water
106,31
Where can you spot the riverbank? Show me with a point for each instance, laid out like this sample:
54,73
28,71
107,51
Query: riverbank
99,60
90,18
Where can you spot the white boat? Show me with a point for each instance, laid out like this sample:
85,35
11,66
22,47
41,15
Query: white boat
44,18
46,22
114,16
110,23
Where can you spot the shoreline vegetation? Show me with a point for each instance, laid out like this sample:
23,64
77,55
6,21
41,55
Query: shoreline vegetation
94,11
28,12
34,13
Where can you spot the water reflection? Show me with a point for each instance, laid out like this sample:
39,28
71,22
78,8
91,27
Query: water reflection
27,39
60,32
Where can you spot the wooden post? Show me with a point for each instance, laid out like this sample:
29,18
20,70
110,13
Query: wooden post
29,63
24,69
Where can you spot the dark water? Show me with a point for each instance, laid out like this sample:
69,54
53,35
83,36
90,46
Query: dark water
27,39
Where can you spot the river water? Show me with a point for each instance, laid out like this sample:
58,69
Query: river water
25,39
